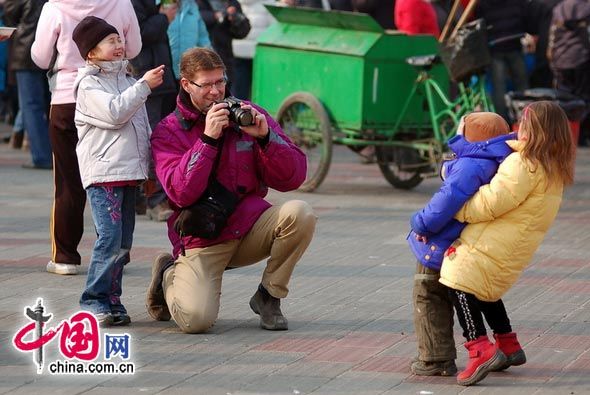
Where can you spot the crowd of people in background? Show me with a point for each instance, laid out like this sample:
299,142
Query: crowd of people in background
535,43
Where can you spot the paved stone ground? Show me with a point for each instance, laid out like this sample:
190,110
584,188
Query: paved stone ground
349,308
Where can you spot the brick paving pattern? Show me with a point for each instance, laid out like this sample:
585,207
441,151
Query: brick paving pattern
349,308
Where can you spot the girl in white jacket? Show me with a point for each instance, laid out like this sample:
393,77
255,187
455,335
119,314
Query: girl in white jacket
113,155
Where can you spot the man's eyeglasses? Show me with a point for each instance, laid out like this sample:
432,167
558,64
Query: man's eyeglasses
219,84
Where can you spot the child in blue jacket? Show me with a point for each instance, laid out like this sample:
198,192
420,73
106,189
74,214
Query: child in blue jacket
479,147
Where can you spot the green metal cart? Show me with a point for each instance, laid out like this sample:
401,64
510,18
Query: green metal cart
339,78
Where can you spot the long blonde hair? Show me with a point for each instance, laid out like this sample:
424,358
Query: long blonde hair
549,144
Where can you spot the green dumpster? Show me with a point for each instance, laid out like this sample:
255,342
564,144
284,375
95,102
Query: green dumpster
334,77
357,70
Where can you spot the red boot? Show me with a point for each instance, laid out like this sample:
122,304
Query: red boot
484,357
509,345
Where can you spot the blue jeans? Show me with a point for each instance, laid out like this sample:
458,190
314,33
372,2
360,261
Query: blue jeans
33,99
113,212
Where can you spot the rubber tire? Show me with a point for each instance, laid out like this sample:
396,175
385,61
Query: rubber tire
318,175
385,157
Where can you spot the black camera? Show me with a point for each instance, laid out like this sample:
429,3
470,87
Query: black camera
236,113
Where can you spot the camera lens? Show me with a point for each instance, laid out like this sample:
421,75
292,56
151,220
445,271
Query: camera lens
237,114
244,117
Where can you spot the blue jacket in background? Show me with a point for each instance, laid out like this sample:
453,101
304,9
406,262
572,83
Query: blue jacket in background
187,30
474,166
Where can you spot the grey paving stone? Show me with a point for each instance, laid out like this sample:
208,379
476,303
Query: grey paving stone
284,385
349,307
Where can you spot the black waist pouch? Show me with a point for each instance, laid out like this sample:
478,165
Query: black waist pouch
208,216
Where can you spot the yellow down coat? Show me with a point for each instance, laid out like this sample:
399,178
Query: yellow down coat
508,219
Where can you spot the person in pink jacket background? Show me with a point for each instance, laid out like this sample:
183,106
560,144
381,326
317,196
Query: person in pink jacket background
416,17
196,140
55,50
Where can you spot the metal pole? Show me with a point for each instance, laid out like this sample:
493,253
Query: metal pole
466,14
449,22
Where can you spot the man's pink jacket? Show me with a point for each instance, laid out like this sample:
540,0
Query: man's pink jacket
184,159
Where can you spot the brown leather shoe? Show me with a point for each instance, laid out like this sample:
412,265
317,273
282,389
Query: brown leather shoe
269,309
155,302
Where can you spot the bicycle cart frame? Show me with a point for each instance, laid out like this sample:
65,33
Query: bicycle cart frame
471,97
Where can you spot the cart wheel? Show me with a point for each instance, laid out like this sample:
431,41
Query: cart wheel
401,166
304,119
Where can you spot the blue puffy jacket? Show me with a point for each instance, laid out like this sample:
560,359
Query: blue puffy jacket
475,165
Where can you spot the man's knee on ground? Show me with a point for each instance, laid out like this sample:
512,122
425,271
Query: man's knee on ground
194,318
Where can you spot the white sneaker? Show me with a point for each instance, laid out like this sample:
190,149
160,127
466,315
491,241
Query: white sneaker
62,268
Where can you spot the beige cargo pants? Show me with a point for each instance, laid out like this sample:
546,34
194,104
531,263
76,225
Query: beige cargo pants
192,286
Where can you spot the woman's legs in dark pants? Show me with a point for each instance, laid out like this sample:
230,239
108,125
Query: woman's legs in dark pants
484,356
470,313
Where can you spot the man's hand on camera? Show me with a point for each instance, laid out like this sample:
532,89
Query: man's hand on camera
217,118
259,129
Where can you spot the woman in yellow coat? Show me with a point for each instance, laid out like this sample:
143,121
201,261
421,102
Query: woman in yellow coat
508,219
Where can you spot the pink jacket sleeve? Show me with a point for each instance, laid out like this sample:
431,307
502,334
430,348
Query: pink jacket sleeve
45,37
416,17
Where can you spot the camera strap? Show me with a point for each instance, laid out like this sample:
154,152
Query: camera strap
210,182
217,160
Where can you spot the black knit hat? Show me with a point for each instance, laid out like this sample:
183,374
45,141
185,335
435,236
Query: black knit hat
89,32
